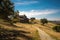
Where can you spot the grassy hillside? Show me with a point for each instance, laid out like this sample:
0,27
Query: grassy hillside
18,31
25,31
48,29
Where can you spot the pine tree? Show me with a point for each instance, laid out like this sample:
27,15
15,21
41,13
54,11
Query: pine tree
6,9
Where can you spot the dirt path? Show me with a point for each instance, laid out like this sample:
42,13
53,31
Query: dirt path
44,35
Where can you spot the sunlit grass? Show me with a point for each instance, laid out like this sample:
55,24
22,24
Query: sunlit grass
36,35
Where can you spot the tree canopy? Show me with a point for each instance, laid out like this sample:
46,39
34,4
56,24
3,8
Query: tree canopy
44,21
6,9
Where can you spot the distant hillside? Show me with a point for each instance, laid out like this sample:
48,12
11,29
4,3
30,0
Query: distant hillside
55,22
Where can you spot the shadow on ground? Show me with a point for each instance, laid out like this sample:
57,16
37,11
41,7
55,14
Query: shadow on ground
6,34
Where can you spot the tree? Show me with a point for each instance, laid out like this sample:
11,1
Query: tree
6,9
32,19
16,17
44,21
24,19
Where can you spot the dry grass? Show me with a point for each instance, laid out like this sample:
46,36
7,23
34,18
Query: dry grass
32,32
31,29
48,29
27,32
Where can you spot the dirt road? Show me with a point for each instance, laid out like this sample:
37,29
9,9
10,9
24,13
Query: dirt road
44,35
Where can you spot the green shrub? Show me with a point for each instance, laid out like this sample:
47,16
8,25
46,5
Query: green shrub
56,28
44,21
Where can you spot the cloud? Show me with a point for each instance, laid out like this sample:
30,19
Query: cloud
26,2
33,13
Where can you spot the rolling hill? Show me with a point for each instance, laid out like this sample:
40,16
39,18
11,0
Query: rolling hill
25,31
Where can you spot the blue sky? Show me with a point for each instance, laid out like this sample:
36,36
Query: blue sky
49,9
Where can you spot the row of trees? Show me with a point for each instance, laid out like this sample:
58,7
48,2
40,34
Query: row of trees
26,20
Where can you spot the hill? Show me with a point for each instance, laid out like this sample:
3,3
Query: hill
56,22
25,31
18,31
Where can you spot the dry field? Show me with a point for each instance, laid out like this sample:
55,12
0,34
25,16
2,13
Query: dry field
29,32
18,31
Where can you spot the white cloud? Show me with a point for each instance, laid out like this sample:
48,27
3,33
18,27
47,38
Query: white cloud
26,2
33,13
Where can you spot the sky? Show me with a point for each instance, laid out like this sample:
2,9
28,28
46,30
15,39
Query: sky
49,9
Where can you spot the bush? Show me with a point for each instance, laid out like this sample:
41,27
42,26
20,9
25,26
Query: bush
32,20
56,28
24,19
44,21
